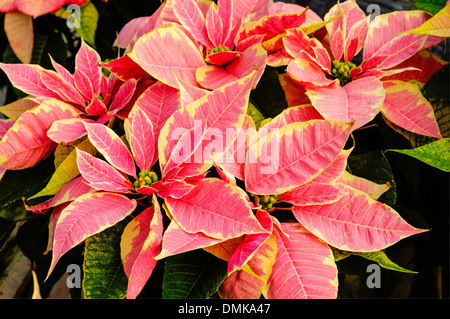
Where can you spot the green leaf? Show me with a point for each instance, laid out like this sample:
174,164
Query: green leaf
66,171
88,23
436,88
382,259
436,154
430,6
268,95
378,256
23,183
375,167
195,274
104,277
255,114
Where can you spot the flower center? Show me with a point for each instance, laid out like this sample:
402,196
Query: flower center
146,178
341,70
218,49
266,201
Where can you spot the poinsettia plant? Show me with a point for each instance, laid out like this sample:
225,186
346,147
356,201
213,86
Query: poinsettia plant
224,151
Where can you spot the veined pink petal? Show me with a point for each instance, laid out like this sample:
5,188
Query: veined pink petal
223,109
273,25
26,142
123,95
356,222
183,152
215,26
189,93
296,41
69,192
135,28
337,43
19,31
191,17
405,106
222,57
246,43
111,147
420,67
233,161
313,194
101,175
270,171
308,74
373,189
141,138
167,53
125,68
295,92
212,77
304,266
225,13
246,7
96,107
140,244
86,216
68,130
27,78
386,27
65,75
159,102
66,91
216,209
33,8
174,189
355,39
299,113
146,190
349,30
251,243
5,125
394,52
359,100
336,169
249,282
87,71
177,241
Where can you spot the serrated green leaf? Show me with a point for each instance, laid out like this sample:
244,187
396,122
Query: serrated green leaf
382,259
375,167
430,6
194,274
104,277
436,154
